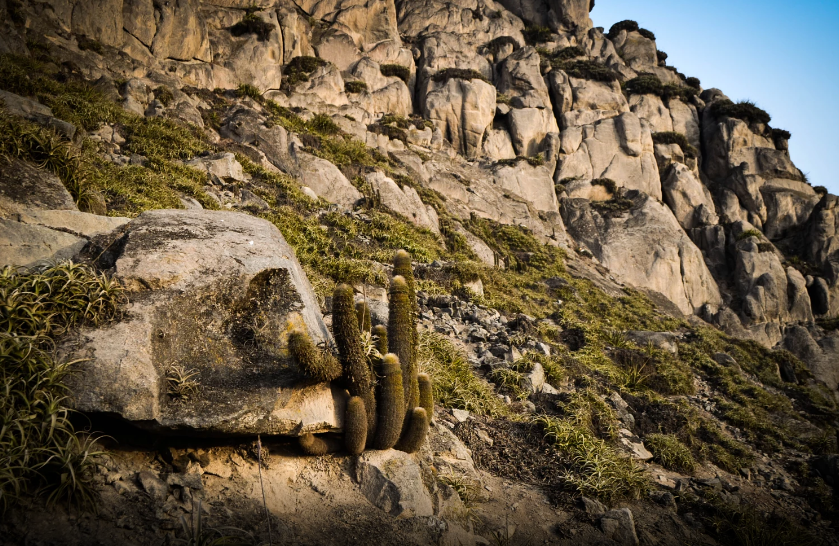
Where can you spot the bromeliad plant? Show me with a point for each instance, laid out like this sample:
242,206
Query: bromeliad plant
40,449
394,411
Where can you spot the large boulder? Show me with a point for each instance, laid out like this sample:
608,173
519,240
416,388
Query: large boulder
687,197
181,32
24,187
212,294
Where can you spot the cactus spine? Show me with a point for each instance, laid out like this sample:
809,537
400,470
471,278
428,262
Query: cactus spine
312,445
318,365
347,338
415,432
401,339
362,312
355,426
391,403
426,398
380,332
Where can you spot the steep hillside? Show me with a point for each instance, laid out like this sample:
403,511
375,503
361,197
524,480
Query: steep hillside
627,295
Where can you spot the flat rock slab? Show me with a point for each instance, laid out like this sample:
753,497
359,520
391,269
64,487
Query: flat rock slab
27,245
212,294
25,188
78,223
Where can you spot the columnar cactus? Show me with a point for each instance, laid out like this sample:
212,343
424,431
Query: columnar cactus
391,403
380,332
314,363
402,266
415,432
347,338
362,312
313,445
426,398
355,426
400,330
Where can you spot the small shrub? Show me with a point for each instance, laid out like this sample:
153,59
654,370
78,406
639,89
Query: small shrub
781,134
536,160
252,24
497,43
537,34
765,247
458,73
355,87
164,95
396,70
744,110
749,233
567,53
248,90
693,82
671,137
613,206
646,34
661,56
323,124
587,70
501,98
609,184
89,44
649,84
821,190
670,453
627,25
299,69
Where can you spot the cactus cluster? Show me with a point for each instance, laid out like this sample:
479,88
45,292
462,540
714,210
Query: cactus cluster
394,411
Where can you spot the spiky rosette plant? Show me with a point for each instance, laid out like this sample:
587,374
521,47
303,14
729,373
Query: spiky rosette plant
400,328
391,403
314,363
348,339
362,311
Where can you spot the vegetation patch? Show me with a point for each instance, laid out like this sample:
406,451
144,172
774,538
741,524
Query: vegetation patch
536,34
299,69
40,450
749,233
744,110
607,183
670,453
671,137
251,23
356,86
496,44
458,73
693,82
396,70
649,84
455,385
627,24
586,70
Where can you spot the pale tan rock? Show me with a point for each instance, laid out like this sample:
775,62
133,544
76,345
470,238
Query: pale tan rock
393,481
498,145
23,244
77,223
684,194
181,33
138,20
200,280
463,110
99,20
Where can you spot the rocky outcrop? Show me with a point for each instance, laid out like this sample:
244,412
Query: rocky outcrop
201,347
645,246
462,110
558,15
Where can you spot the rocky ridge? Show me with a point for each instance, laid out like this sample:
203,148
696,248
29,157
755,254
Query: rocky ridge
467,118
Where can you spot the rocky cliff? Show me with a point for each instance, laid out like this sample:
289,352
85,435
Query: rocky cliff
567,196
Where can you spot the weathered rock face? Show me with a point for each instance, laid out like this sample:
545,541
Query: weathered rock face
646,247
462,110
212,293
618,148
558,15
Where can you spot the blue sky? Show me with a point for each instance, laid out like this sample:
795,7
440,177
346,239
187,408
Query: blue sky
782,55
